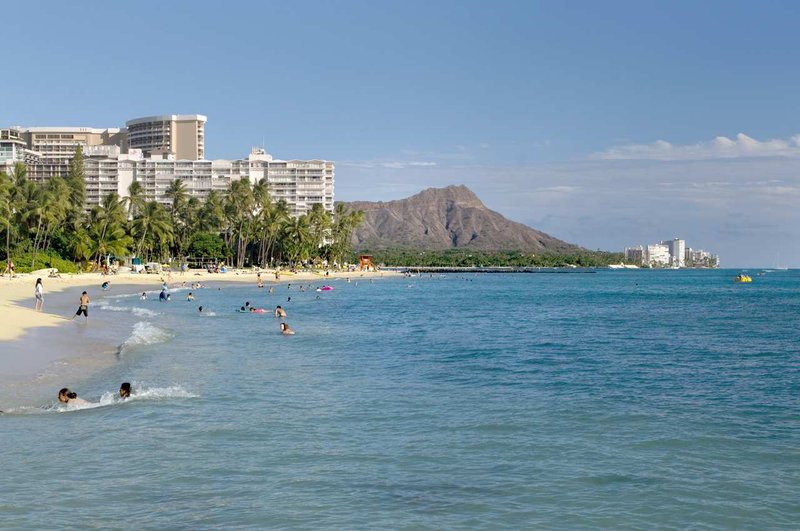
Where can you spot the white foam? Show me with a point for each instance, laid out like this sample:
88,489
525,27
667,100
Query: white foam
123,296
139,394
144,333
140,312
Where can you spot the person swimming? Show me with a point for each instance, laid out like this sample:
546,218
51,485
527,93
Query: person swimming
105,285
144,296
190,297
125,390
65,396
253,309
200,309
285,330
280,312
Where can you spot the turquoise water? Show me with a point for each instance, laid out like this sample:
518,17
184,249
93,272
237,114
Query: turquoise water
621,399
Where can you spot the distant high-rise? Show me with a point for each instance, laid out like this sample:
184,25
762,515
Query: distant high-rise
183,135
677,252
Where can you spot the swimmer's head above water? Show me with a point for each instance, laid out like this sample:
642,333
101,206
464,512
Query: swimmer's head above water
125,390
65,395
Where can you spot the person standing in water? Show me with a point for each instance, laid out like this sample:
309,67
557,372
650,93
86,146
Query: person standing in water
280,312
83,308
285,330
38,292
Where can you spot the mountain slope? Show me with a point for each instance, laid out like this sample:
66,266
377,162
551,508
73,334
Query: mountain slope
444,218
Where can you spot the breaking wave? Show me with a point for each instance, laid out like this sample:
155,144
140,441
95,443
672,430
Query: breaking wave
144,333
140,312
140,394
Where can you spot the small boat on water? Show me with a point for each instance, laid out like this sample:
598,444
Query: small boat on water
743,278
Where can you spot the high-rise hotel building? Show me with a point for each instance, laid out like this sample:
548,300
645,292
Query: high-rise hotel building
180,134
156,150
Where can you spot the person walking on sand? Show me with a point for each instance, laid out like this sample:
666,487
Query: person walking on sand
83,308
38,292
9,269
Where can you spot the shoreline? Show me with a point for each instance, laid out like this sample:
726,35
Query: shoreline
39,350
20,317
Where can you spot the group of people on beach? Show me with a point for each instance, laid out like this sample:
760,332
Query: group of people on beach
66,396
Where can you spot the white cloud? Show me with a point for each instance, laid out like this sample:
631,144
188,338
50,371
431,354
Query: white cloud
719,148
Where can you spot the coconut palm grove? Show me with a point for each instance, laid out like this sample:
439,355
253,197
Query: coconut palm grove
46,226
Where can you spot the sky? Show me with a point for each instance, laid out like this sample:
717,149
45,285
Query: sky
606,124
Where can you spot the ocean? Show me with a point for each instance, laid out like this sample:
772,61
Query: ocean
615,399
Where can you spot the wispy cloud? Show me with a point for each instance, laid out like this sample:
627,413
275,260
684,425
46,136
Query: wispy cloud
388,164
719,148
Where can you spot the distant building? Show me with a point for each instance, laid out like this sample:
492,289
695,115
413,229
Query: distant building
677,252
657,255
670,253
180,134
701,258
634,255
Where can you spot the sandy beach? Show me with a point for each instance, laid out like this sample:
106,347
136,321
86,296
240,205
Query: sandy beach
17,299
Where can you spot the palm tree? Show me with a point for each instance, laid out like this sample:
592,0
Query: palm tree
6,210
273,223
297,236
105,225
136,198
176,192
211,215
152,223
346,222
319,221
239,209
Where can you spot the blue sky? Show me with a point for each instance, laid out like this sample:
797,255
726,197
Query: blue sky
603,123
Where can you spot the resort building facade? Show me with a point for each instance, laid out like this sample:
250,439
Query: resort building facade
180,134
156,150
301,183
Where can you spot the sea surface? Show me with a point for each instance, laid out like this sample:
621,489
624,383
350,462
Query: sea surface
615,399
